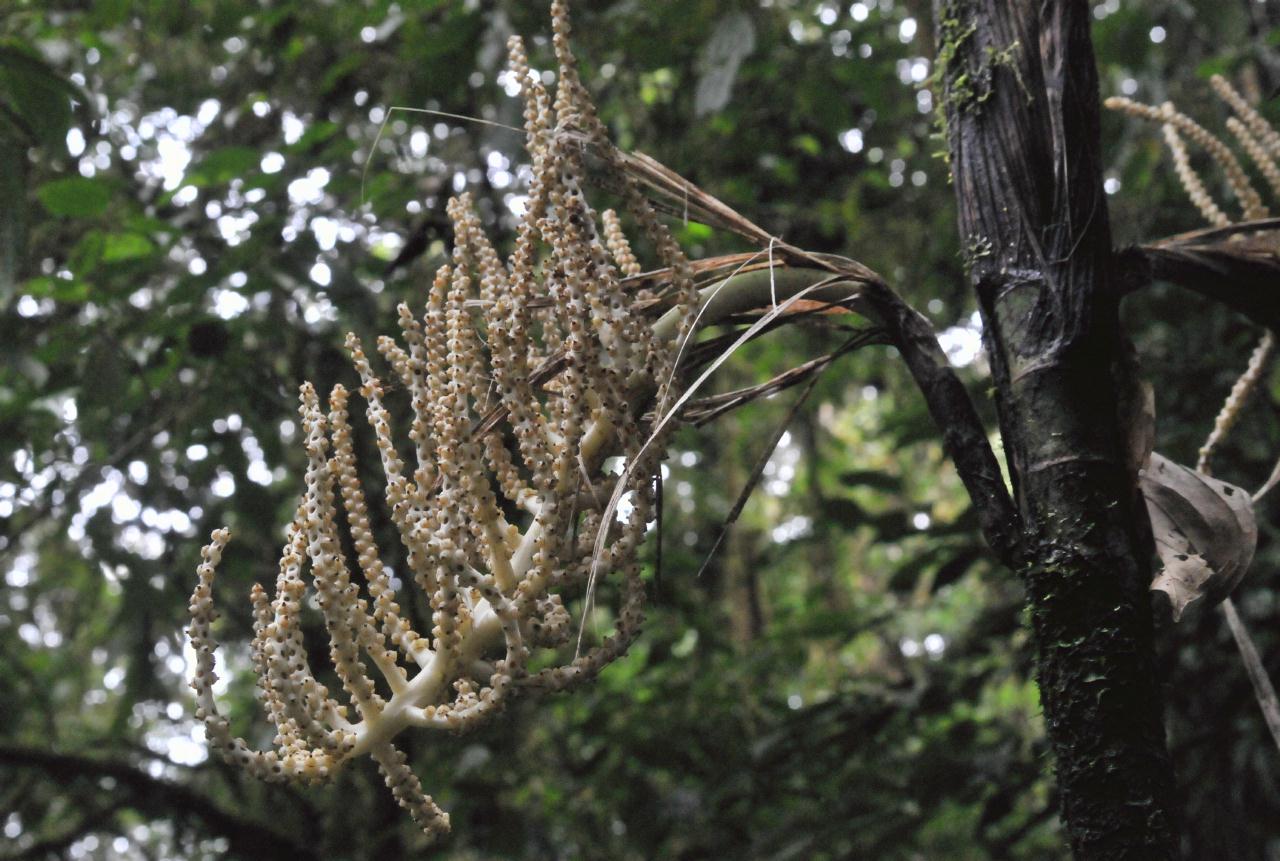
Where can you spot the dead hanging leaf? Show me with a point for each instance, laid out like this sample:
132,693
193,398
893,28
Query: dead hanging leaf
732,41
1204,530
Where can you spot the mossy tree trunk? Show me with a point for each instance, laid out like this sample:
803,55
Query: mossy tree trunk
1022,130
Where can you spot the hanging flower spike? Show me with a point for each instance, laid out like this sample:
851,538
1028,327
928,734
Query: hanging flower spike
497,589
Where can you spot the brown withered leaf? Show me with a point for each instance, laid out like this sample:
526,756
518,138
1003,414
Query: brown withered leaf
1204,530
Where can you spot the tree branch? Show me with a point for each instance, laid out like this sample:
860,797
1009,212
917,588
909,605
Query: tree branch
159,797
963,435
1237,265
57,844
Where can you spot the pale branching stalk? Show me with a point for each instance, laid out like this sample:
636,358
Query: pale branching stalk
522,376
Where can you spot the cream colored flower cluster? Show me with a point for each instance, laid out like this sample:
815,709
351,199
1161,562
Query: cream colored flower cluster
1261,142
1256,136
523,376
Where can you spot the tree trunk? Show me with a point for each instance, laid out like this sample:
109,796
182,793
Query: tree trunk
1021,114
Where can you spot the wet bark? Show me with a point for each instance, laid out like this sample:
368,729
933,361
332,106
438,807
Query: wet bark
1021,114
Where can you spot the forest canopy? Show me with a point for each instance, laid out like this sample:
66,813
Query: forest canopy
200,200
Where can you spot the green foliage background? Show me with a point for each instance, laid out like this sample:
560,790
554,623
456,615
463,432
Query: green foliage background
849,677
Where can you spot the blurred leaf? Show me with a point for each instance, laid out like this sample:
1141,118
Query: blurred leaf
76,197
125,246
59,289
104,378
109,13
1214,66
223,165
38,99
39,287
318,133
695,232
13,209
807,144
69,291
339,70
